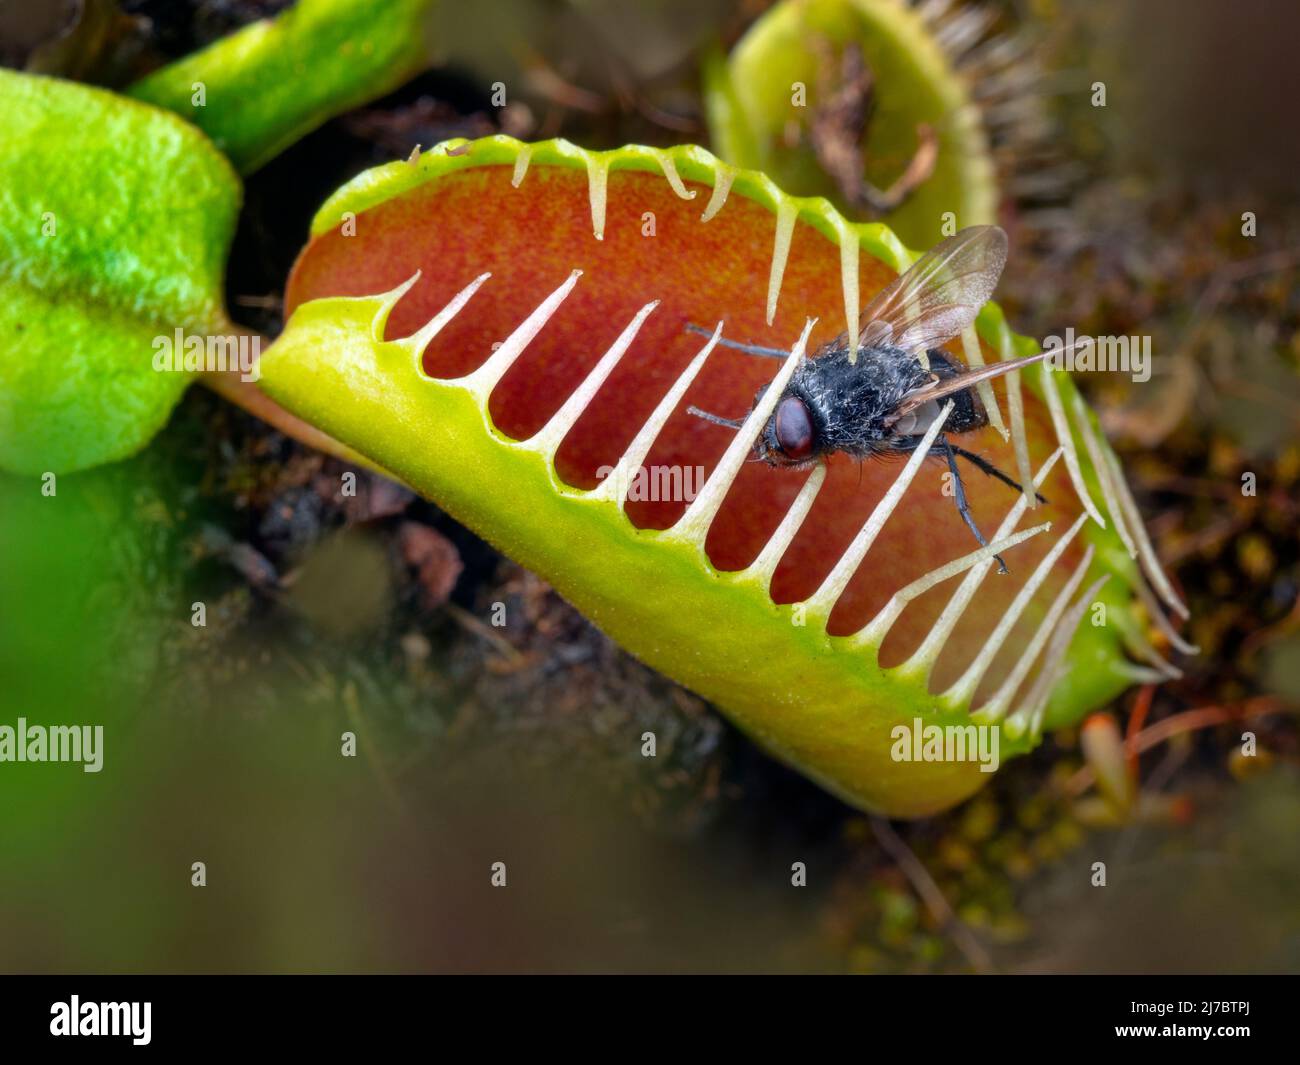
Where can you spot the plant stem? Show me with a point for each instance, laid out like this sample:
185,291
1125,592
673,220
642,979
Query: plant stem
250,398
923,883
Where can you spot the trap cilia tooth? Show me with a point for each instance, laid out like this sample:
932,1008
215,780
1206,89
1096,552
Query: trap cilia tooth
503,327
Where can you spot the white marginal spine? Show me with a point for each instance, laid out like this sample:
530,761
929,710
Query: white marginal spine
612,487
786,214
1016,409
1030,713
873,635
1108,493
996,708
970,346
693,526
762,568
723,176
963,691
1066,438
419,340
597,191
923,658
481,381
823,600
1162,622
1146,551
674,178
521,165
849,252
549,438
387,301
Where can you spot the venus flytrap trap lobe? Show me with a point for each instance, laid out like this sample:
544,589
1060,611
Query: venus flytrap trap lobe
753,98
813,608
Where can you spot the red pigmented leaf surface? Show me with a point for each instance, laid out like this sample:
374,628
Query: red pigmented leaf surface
530,238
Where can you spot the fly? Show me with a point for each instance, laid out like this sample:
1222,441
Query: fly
877,397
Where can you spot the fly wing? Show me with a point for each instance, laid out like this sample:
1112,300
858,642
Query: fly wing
939,295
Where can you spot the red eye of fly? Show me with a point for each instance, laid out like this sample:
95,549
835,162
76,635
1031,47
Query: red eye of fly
794,431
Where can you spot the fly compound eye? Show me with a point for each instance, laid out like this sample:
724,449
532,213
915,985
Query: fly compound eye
794,430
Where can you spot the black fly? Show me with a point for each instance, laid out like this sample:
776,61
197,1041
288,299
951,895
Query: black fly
875,397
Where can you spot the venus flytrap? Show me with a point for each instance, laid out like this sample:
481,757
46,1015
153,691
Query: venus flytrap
494,328
493,323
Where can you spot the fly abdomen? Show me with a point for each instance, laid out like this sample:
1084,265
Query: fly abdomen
968,412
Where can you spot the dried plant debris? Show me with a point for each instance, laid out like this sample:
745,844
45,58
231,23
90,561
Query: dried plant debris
838,128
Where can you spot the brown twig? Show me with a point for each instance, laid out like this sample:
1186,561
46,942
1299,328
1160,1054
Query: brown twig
924,884
548,83
468,621
838,131
352,706
916,174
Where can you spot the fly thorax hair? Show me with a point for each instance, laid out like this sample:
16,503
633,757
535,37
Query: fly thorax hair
851,402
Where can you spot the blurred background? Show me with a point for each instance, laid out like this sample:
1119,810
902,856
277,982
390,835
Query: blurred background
521,744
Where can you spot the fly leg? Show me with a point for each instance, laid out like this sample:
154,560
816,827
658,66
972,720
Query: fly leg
945,450
716,419
985,466
749,349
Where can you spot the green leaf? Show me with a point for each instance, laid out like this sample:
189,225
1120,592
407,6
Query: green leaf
259,90
115,219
